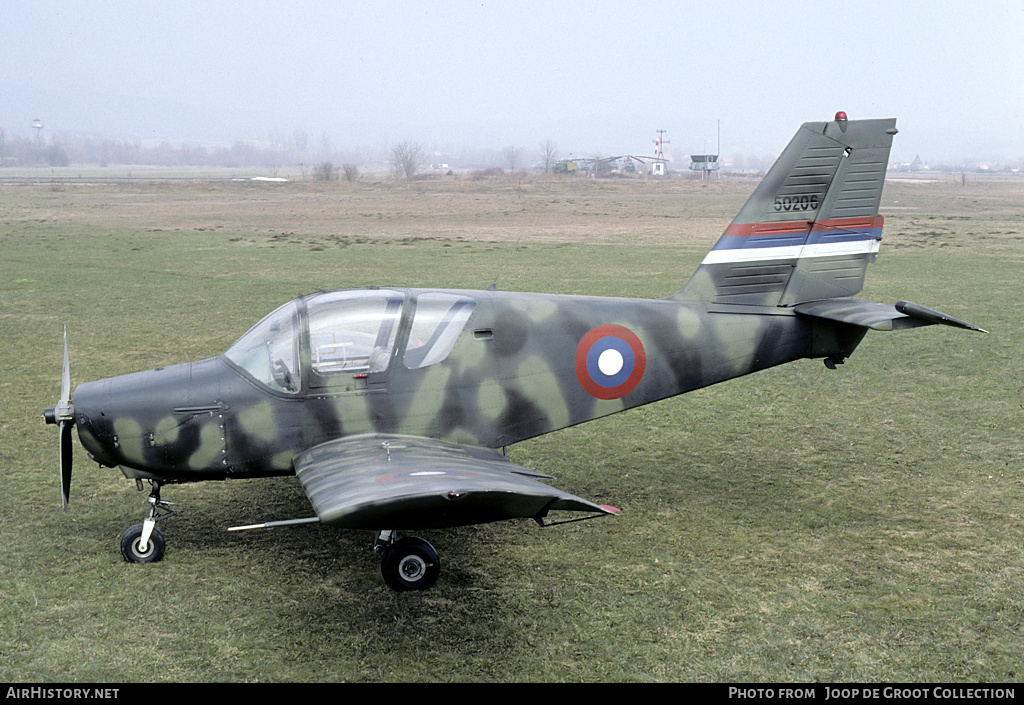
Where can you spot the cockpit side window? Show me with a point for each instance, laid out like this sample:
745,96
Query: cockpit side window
436,326
269,351
353,331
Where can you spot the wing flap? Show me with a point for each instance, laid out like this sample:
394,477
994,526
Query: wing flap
397,482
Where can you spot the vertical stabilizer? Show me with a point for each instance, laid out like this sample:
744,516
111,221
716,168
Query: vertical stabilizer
811,226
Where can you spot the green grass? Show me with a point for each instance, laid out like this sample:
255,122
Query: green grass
794,525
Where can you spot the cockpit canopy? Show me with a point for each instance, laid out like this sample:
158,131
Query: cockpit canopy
350,332
353,331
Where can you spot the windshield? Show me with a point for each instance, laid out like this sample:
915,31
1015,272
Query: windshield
269,351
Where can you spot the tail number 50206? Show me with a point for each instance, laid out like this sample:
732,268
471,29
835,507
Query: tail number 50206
796,203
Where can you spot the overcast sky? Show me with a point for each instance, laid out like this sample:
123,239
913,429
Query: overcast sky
593,77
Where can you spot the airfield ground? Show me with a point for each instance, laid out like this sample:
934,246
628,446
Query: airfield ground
799,524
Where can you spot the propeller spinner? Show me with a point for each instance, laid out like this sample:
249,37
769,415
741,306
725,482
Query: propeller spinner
63,414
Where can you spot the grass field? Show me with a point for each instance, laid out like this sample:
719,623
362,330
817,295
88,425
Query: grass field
799,524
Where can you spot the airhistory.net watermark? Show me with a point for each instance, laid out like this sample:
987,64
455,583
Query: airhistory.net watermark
44,693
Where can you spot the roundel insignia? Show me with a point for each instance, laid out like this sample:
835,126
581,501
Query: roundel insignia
610,362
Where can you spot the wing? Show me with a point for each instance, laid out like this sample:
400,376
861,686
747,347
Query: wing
400,482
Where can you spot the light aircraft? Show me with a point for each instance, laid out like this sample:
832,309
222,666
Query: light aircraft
393,406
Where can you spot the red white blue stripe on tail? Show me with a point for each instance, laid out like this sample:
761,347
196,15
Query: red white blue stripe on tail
757,242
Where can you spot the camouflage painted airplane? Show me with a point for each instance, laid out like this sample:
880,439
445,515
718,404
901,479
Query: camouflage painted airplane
393,406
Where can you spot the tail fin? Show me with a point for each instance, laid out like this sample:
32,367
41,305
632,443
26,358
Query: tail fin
811,226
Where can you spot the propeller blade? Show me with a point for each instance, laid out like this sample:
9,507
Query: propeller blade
63,414
65,373
65,462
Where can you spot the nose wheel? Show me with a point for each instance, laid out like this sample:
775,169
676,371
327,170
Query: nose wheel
410,563
143,543
137,548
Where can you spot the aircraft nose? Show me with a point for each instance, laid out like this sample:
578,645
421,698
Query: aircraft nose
95,429
115,415
159,420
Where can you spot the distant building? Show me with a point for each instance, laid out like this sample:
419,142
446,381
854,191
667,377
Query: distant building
704,163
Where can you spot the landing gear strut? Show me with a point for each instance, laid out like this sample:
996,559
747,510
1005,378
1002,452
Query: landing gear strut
143,543
409,563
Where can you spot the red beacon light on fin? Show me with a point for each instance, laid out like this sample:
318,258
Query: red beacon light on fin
841,116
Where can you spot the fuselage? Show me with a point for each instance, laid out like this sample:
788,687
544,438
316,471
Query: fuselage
485,368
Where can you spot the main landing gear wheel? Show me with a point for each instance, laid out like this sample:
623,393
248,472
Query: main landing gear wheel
410,564
133,549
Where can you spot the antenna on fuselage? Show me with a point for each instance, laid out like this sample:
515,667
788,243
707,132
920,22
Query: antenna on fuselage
494,284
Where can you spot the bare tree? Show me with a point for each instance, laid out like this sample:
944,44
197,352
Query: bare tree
511,157
407,158
549,153
300,139
351,172
325,145
324,171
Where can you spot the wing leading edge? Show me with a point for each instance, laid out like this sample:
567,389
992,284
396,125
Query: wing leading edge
399,482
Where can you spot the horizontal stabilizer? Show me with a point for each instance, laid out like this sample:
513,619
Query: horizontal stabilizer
868,314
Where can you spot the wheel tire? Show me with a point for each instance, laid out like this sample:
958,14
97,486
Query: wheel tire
130,546
410,564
